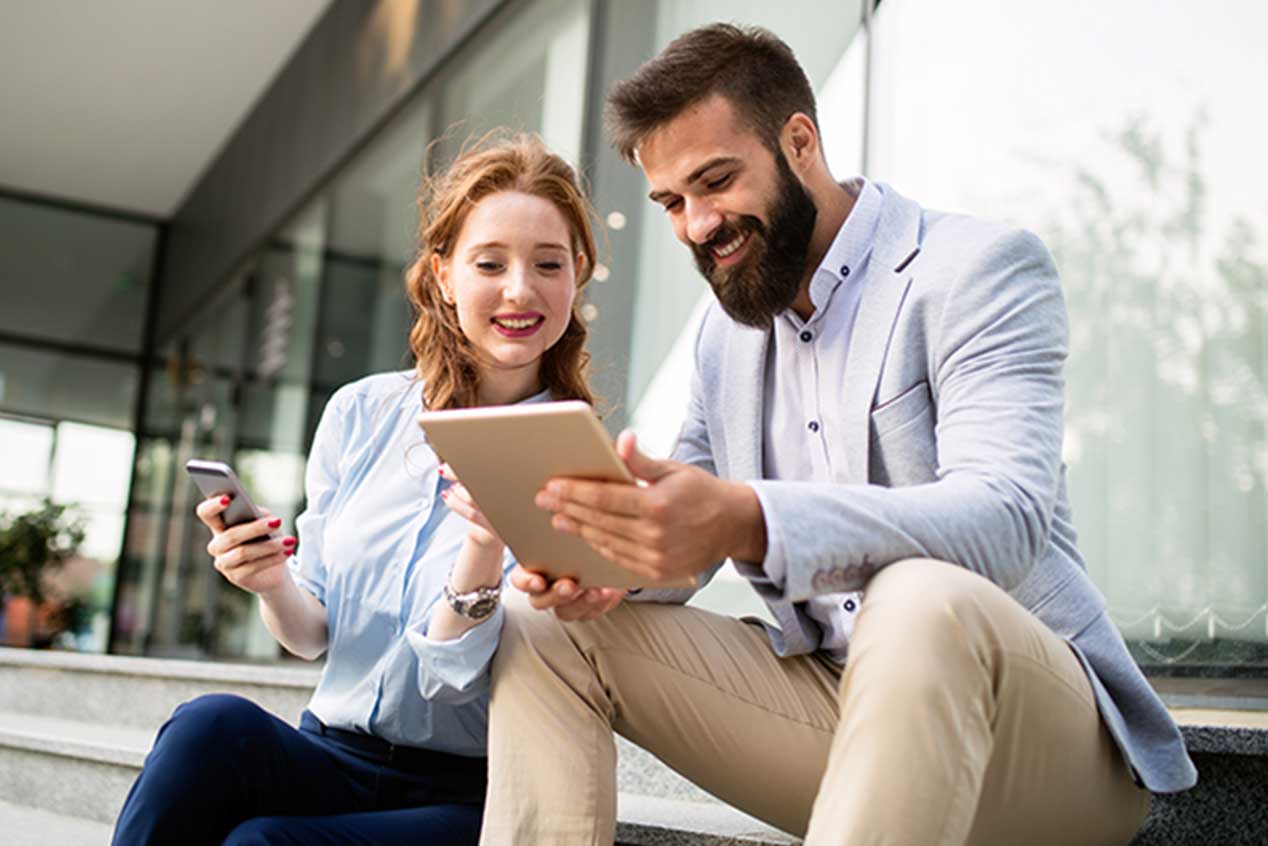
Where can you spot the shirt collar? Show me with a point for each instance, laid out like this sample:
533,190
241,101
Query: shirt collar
849,248
543,396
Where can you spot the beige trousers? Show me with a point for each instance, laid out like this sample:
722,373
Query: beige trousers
960,719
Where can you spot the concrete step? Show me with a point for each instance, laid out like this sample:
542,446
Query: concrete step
69,767
139,692
656,821
23,826
74,731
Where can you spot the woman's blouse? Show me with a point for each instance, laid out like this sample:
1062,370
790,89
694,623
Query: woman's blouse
376,544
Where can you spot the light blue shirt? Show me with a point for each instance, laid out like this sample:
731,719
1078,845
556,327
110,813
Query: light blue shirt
805,394
376,544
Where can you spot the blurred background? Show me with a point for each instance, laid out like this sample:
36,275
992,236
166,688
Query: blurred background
205,210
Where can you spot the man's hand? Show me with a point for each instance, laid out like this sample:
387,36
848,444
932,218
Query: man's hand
569,602
678,524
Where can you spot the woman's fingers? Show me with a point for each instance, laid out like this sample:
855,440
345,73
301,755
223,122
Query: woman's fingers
248,554
240,534
209,511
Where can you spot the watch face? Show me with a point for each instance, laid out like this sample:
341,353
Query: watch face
482,607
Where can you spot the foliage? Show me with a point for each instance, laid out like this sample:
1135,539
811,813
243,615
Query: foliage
34,543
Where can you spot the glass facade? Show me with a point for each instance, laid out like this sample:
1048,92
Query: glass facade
76,285
1120,135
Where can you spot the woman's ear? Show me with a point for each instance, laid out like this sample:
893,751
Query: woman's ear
440,271
581,265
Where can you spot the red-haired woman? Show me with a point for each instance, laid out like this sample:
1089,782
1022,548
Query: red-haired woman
397,575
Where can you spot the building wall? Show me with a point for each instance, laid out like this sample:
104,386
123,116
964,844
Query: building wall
1121,136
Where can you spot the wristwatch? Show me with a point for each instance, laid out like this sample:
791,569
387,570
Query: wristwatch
477,604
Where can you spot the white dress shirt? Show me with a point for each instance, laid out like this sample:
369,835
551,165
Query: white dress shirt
805,395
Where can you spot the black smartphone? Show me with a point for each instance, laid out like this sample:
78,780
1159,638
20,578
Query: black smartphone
215,478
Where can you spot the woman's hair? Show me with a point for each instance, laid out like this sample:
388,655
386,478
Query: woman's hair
446,360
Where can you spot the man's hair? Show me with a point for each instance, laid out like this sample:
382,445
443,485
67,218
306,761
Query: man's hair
756,72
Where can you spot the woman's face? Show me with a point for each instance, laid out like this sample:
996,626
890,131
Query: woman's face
512,276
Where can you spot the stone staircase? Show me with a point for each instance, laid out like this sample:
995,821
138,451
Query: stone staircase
74,730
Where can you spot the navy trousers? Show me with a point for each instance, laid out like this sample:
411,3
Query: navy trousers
224,770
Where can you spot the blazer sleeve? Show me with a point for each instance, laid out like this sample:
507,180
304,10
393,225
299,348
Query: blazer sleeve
692,447
996,356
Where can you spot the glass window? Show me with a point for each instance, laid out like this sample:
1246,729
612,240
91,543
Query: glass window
74,277
63,386
1120,133
529,75
26,450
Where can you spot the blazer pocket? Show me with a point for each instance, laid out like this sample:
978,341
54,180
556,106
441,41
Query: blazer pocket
898,411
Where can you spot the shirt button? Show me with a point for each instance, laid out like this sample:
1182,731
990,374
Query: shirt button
845,270
807,336
814,425
850,606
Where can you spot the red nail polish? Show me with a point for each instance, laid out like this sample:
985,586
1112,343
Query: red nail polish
288,541
224,500
275,522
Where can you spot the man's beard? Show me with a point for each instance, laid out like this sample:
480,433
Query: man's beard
767,279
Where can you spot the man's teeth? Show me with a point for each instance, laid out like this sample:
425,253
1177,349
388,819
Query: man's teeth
726,249
515,323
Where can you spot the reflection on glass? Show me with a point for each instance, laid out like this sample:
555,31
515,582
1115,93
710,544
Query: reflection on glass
1123,139
60,386
74,277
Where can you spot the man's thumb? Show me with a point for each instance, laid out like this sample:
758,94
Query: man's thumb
643,467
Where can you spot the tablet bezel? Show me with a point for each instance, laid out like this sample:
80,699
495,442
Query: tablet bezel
505,454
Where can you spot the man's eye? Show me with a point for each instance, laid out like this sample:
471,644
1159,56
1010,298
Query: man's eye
672,205
719,182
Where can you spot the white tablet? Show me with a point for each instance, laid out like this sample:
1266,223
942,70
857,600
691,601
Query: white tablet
505,454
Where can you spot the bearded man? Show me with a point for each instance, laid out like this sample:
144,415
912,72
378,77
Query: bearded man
874,439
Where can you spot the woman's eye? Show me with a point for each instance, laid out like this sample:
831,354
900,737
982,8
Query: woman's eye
550,266
488,266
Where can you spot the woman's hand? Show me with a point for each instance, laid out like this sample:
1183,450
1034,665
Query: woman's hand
255,566
479,531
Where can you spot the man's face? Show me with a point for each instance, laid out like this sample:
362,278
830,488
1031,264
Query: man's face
738,207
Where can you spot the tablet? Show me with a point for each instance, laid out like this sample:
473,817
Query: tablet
505,454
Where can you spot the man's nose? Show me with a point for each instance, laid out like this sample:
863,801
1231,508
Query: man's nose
703,219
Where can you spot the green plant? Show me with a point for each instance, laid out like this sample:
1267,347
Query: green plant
33,544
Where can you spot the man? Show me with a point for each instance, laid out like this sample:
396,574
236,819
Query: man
874,439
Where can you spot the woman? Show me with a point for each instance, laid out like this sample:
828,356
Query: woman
397,575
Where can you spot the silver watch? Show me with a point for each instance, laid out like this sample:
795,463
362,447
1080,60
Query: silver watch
475,605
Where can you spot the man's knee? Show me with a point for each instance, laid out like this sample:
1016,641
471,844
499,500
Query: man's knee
925,600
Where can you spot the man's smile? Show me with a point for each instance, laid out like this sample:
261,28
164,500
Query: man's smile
729,253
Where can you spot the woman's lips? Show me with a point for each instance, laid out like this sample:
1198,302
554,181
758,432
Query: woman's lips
517,325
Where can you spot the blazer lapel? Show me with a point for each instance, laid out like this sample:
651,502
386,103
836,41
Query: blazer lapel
743,396
897,243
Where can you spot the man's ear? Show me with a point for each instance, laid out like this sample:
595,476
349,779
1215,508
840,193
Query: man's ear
800,142
440,270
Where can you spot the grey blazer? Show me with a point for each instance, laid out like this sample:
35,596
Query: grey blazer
953,403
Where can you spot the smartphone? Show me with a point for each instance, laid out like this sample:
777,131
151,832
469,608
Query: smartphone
215,478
